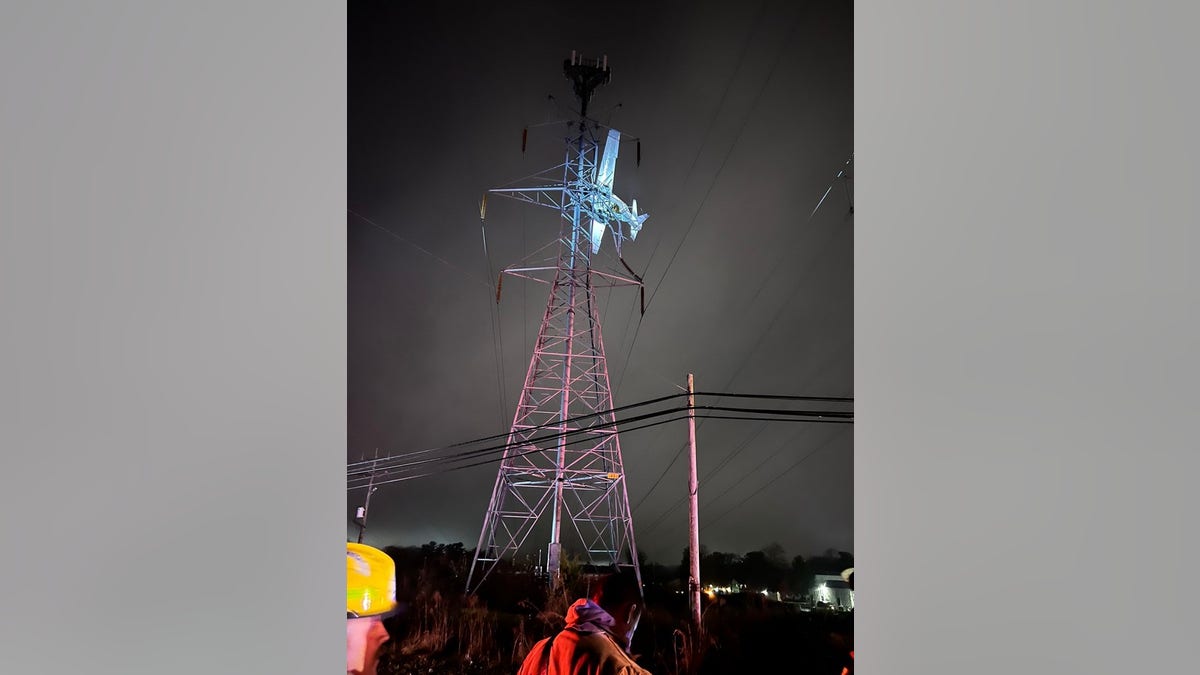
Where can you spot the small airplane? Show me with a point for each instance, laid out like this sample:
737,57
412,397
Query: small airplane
605,208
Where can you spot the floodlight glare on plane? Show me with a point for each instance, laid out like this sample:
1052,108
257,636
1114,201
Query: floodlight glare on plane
606,207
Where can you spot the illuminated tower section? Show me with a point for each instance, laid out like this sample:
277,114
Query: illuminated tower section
561,477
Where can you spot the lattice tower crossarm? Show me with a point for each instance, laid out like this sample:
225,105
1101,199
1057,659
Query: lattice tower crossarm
557,465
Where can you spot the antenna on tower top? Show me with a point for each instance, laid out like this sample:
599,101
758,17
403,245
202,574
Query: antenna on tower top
586,75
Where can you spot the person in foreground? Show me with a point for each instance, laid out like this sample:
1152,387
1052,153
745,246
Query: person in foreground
370,597
597,636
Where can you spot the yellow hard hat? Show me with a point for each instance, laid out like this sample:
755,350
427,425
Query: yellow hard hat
370,581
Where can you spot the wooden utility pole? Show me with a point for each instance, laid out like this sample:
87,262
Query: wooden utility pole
362,510
693,511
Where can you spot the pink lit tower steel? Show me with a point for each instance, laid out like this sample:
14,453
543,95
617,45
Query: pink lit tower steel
562,461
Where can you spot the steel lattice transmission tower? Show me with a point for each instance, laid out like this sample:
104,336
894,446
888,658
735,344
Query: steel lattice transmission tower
563,456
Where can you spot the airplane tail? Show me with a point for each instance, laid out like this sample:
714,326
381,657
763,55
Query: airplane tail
636,225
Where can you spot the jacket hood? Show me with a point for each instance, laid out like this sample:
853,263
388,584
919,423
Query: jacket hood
585,616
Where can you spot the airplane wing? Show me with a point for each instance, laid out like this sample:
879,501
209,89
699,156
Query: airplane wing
608,162
597,235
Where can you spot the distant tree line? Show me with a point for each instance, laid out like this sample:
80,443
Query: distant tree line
430,567
766,569
444,567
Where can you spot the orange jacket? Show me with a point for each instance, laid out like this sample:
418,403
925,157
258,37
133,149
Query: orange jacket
582,648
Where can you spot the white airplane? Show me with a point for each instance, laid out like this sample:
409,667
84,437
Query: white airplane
607,209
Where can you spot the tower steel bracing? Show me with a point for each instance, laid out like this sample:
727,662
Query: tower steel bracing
563,456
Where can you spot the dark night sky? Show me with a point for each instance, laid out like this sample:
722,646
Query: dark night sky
745,112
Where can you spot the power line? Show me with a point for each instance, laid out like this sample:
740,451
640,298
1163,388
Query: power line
728,153
709,502
719,396
494,319
778,397
688,174
660,477
610,411
537,450
764,333
816,418
550,437
784,255
733,395
546,425
832,414
629,353
716,113
841,175
728,458
759,491
731,455
419,248
493,461
708,475
739,481
741,367
790,416
679,452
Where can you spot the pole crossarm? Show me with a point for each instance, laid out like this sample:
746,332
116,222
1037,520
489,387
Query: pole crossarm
549,196
615,280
